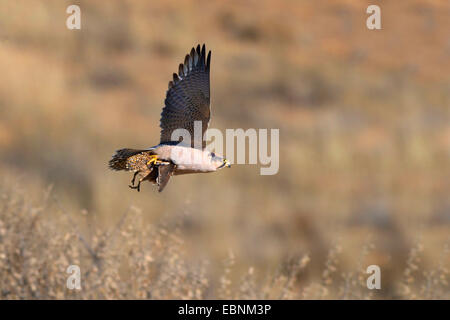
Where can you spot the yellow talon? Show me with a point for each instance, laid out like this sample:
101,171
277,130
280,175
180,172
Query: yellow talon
154,160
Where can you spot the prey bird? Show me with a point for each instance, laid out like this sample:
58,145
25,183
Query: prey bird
187,106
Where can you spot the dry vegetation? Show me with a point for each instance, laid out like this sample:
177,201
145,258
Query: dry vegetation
134,260
364,176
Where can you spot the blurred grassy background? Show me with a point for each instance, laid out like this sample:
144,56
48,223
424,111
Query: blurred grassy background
364,124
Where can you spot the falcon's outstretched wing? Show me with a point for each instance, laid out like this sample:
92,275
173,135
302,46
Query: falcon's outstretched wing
188,99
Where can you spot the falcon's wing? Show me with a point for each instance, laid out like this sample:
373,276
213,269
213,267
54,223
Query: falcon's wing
187,99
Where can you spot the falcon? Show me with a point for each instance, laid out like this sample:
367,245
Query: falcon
187,107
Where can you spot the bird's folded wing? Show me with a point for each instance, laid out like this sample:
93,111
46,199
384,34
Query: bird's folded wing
188,98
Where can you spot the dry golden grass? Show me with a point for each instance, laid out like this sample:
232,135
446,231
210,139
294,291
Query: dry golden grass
134,260
364,175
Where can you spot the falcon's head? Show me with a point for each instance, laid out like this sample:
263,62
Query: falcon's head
218,161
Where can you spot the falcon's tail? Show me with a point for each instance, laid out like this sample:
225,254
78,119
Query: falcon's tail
120,160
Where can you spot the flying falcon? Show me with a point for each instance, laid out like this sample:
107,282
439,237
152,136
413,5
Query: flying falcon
187,106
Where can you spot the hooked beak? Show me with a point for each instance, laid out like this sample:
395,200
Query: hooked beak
225,163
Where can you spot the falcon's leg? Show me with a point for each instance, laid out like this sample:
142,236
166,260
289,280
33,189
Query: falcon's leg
153,160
